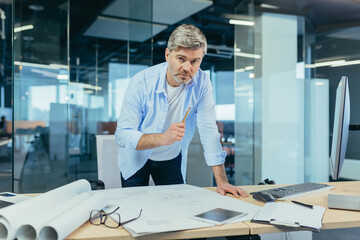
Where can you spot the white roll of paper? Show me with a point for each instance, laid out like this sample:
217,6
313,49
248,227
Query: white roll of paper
12,217
65,224
31,229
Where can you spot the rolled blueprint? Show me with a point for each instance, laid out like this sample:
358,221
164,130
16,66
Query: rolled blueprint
31,229
66,223
12,217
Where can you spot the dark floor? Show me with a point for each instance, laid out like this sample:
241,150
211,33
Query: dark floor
346,234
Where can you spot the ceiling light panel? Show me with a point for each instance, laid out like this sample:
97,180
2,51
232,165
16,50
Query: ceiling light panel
352,33
241,22
118,29
164,11
135,9
23,28
173,11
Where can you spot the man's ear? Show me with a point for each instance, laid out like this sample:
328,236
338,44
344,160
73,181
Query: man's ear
167,54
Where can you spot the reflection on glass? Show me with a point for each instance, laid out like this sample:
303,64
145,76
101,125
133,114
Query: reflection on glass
223,85
73,61
106,50
40,105
244,98
269,98
60,107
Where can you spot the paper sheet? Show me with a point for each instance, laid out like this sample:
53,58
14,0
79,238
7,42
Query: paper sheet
12,217
172,207
289,214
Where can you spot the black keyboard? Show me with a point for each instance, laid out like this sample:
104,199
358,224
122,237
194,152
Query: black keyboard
297,190
5,204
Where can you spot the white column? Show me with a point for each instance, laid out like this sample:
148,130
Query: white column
317,156
279,101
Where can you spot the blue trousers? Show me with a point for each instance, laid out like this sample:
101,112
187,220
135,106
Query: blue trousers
162,172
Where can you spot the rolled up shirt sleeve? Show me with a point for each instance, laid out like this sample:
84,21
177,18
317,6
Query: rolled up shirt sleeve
214,159
208,130
128,139
127,132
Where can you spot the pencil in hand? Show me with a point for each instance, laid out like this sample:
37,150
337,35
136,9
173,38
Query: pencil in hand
186,115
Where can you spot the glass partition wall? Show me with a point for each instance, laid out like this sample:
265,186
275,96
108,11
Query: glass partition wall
41,82
280,119
244,62
73,60
287,68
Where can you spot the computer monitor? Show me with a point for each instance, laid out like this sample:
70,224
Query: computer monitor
341,127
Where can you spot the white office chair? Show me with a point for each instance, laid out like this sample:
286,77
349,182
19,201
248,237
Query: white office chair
107,160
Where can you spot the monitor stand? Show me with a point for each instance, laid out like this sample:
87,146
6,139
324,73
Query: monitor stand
347,202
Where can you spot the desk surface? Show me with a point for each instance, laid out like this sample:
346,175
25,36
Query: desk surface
332,219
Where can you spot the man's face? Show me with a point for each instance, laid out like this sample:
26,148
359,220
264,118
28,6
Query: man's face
183,65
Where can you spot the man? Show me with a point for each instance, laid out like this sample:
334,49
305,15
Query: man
151,132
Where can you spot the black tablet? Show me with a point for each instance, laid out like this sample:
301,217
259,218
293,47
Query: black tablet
219,215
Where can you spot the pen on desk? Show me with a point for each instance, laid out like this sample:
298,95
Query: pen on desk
302,204
186,115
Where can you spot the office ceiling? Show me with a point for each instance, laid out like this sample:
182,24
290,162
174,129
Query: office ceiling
138,21
98,28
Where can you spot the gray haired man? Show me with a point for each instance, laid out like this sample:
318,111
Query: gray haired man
152,132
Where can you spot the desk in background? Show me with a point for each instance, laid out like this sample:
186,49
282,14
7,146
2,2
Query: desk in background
332,219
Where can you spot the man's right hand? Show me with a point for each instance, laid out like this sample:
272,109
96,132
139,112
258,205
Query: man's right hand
174,133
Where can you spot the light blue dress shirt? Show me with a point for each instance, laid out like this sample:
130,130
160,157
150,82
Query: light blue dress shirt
144,110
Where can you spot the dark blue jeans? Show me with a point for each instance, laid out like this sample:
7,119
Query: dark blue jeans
162,172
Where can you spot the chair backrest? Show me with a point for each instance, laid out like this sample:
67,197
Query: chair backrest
107,160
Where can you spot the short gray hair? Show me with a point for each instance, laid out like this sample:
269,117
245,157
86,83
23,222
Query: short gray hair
187,36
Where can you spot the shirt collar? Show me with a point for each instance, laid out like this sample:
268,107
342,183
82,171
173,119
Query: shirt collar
162,79
191,83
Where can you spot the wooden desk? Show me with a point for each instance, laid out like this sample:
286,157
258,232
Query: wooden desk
332,219
88,231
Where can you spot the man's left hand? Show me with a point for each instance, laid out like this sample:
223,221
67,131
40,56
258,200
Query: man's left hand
225,187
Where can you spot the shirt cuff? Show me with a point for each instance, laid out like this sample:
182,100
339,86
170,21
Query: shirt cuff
133,140
214,159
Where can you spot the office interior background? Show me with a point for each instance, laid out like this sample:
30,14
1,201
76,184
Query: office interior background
274,66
